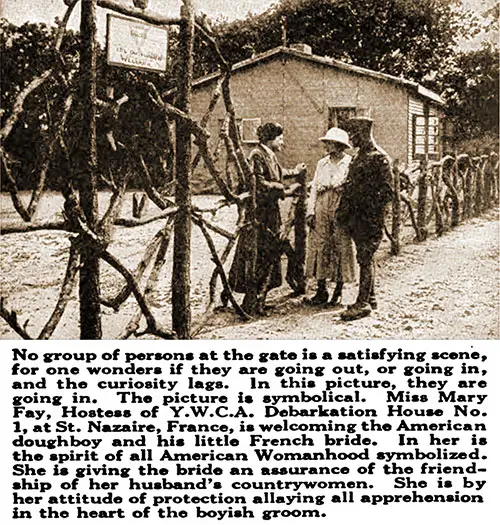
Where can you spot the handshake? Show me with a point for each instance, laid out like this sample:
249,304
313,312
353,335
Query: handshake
293,190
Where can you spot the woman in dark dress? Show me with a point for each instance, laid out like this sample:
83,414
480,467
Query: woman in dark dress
270,190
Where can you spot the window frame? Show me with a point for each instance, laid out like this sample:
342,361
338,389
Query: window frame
429,129
257,121
354,111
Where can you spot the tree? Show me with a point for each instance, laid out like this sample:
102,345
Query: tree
469,82
399,37
27,52
470,87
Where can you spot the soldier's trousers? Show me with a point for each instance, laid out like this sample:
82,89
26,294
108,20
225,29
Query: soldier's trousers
366,293
367,242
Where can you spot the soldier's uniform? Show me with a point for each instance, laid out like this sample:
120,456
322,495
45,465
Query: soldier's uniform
361,211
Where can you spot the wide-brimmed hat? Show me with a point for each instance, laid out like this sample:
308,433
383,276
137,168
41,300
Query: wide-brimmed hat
337,135
359,125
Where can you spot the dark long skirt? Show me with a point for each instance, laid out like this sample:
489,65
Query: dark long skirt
268,267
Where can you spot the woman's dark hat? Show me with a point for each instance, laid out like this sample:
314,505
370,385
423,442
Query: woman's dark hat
269,131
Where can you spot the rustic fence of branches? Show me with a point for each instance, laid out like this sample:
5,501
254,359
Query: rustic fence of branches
450,191
89,233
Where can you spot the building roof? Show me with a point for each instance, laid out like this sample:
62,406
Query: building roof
329,62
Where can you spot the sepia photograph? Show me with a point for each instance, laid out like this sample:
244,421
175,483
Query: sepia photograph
260,169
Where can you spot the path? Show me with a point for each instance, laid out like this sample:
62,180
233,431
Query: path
445,288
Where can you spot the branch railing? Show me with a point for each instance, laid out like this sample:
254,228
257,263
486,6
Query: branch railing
449,191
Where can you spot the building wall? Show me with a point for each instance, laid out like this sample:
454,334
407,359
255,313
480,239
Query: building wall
298,94
256,92
319,88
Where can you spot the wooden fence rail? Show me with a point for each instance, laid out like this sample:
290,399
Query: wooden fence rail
449,191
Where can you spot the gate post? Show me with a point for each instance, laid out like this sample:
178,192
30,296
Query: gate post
181,281
249,304
89,294
300,232
422,202
396,210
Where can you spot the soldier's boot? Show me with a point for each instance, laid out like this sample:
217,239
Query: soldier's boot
335,301
361,308
356,312
321,296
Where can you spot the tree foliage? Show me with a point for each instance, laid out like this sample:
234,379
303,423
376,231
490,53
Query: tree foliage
471,87
469,82
399,37
26,52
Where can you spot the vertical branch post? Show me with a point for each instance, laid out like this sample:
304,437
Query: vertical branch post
449,178
300,232
487,174
396,211
250,299
436,181
181,307
494,176
90,312
422,203
468,190
479,189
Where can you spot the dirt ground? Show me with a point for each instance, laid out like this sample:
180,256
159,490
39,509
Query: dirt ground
445,288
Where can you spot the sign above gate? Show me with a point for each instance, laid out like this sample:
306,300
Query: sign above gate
136,44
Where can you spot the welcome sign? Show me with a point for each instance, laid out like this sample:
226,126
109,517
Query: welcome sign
136,44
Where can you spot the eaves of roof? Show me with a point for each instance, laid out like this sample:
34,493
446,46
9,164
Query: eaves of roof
325,61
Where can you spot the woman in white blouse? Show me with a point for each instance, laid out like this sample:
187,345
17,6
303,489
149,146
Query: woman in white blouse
330,252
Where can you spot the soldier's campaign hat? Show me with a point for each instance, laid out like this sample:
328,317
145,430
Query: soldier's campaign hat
337,135
359,125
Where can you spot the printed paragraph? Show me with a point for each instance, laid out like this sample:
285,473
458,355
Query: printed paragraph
221,432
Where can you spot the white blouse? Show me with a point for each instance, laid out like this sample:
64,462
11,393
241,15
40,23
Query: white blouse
329,174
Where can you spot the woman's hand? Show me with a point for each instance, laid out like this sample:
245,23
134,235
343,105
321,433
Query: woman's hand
293,189
300,168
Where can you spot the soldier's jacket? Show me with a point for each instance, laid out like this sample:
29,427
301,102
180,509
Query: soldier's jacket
367,191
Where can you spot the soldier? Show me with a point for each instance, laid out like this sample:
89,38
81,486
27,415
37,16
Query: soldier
361,211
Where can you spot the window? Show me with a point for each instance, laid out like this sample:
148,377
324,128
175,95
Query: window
433,135
247,129
337,116
425,136
419,135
